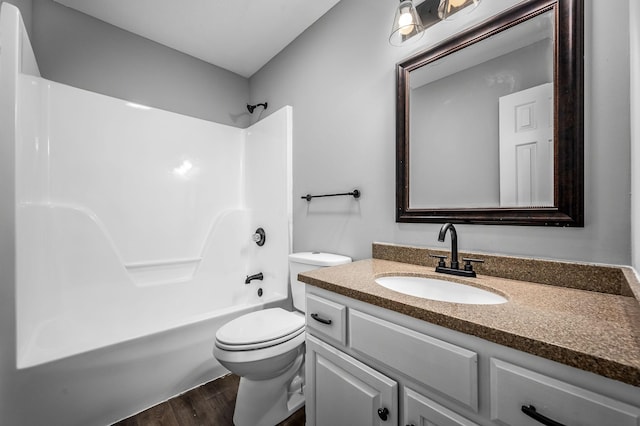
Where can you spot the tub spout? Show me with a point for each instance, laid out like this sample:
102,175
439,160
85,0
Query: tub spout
257,276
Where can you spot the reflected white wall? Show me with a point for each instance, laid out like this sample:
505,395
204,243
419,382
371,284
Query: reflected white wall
439,143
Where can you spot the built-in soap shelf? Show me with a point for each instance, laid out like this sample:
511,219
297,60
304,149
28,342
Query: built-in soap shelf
80,238
160,272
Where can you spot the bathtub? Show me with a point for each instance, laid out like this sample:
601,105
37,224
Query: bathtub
105,385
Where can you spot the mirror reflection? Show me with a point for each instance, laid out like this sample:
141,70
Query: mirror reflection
481,123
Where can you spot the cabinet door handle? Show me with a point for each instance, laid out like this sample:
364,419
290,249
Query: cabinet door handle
531,412
318,318
383,413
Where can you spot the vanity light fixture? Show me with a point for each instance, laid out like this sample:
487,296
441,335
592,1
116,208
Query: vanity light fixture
406,24
448,9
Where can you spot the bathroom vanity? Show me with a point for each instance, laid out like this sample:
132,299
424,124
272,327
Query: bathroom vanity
550,354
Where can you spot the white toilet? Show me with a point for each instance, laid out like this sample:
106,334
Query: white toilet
266,349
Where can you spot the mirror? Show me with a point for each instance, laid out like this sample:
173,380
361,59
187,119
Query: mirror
490,122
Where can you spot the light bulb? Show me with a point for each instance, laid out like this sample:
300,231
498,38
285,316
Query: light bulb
448,8
457,3
406,24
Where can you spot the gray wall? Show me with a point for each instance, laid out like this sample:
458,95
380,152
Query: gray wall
635,129
81,51
340,78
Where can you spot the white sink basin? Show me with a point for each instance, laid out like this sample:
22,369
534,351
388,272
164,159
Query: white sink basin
444,291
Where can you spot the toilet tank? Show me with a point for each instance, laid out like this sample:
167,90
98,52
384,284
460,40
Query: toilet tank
306,261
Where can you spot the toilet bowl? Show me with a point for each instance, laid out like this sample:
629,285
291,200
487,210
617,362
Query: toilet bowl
266,349
260,345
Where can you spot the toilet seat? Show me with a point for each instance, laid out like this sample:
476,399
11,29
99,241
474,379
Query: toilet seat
229,357
260,329
259,345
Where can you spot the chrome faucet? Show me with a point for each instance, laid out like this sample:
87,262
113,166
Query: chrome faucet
454,269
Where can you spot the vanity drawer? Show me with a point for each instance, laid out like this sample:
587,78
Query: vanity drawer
327,318
446,368
513,387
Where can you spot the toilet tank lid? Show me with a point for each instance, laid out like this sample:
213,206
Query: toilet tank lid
319,259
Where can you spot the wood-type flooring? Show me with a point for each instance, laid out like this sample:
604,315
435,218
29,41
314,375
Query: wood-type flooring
211,404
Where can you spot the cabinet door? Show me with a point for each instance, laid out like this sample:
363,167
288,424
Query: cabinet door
343,391
420,410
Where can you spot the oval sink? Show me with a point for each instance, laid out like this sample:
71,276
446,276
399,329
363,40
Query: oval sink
444,291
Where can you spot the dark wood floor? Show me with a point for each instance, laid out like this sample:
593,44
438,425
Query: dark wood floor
211,404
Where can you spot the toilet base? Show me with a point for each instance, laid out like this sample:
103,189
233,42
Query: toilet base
268,402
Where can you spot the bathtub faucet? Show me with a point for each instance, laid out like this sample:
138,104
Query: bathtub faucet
257,276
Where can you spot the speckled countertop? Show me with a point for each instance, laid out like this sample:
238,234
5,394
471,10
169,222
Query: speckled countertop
590,330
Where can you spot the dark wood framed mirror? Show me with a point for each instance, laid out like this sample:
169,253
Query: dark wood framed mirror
455,158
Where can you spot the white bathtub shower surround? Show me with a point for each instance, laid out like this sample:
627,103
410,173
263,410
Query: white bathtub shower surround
140,211
132,242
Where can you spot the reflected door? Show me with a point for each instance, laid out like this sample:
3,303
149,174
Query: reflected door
526,148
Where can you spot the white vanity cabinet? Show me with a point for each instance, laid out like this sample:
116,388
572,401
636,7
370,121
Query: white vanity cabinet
346,391
367,365
551,400
449,369
419,410
345,388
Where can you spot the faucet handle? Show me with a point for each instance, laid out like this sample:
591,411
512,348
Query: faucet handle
467,263
440,258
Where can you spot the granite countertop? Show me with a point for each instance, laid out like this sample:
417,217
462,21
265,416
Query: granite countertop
590,330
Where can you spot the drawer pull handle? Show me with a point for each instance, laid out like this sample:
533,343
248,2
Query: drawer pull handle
383,413
531,412
318,318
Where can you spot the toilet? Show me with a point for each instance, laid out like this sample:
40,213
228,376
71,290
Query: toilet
266,349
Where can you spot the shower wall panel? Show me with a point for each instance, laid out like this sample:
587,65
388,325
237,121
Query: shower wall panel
268,194
124,213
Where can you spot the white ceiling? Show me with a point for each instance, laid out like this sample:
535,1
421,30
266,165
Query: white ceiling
238,35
